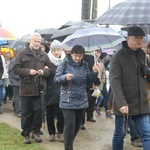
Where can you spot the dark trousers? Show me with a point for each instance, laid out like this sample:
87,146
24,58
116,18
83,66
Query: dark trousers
72,121
31,117
9,92
51,112
91,101
16,99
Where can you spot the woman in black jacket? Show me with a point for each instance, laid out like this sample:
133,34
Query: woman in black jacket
52,97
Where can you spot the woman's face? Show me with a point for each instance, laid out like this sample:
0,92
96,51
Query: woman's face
42,47
56,52
77,57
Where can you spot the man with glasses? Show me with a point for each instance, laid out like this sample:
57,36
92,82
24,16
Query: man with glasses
128,80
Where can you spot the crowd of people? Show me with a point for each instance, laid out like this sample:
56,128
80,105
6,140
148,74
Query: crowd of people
68,80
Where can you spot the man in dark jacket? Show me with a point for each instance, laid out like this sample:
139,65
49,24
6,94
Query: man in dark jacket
32,65
129,88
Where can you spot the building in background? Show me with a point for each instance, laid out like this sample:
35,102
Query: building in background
89,10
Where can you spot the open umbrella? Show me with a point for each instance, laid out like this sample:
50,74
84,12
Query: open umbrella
63,33
129,12
17,44
3,41
93,38
47,33
74,23
25,38
6,34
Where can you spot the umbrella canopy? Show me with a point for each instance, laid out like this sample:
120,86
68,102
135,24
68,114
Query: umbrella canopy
25,38
18,44
93,38
60,35
47,33
130,12
6,34
74,23
3,41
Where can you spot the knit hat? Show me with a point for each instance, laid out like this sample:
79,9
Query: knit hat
55,44
103,55
135,31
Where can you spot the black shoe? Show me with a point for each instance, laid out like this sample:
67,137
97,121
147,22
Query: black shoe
91,120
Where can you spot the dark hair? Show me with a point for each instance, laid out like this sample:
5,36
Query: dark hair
78,49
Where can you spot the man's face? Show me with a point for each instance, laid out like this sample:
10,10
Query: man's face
135,42
35,42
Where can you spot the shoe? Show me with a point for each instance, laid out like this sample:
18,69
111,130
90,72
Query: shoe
19,115
36,137
27,140
52,138
91,120
137,143
26,136
108,114
60,136
82,127
97,109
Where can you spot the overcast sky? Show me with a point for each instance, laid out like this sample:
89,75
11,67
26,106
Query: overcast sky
24,16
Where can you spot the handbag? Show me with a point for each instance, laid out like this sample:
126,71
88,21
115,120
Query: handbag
96,92
1,83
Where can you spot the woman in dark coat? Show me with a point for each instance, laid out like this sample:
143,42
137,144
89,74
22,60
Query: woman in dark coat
73,74
52,97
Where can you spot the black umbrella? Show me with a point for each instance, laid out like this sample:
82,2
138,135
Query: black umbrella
41,87
17,44
60,35
47,33
74,23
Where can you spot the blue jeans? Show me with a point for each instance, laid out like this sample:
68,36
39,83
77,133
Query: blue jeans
143,124
134,131
99,99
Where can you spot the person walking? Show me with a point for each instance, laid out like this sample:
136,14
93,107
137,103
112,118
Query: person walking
129,88
31,64
73,74
52,97
14,82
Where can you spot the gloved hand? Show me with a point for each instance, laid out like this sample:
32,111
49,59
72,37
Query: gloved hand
145,70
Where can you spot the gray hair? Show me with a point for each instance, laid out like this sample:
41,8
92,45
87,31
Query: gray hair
34,34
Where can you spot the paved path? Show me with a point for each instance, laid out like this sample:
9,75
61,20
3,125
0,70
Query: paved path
97,136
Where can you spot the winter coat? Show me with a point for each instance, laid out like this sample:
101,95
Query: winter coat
128,86
25,60
13,78
73,93
53,90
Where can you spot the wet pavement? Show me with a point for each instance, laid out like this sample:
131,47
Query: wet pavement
97,136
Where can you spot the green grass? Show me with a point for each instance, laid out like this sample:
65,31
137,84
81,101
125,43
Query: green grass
11,139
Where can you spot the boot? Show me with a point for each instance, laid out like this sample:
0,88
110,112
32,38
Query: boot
26,136
108,114
1,109
36,137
